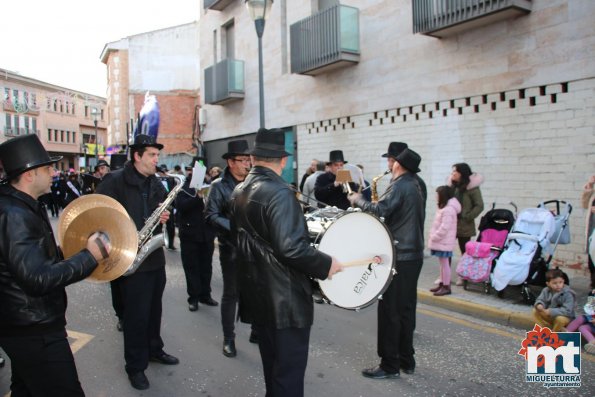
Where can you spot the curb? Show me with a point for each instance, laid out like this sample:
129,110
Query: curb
514,319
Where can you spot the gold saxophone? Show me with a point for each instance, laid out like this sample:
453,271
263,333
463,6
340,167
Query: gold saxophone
374,185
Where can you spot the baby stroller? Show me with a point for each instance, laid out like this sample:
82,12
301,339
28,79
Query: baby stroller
529,248
476,264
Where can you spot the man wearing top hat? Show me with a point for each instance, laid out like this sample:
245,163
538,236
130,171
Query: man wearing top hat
140,192
34,274
217,214
276,261
327,189
197,239
403,208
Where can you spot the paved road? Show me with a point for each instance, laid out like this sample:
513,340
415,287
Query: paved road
457,355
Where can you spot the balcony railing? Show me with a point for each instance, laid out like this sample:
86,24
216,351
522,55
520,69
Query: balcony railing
224,82
20,107
217,4
11,131
441,18
326,40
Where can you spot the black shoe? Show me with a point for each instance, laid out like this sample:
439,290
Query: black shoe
229,348
165,358
209,301
319,300
171,248
253,337
408,371
139,381
378,373
119,325
193,307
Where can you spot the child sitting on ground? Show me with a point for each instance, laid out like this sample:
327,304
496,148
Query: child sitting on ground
554,307
585,324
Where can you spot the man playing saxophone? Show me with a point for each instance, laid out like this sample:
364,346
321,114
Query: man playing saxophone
140,192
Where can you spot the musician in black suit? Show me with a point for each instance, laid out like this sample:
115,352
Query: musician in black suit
327,189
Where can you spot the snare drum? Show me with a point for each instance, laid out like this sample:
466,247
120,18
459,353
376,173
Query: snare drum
353,237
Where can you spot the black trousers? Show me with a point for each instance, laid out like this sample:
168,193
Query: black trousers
396,318
170,229
42,366
284,354
141,321
197,260
229,300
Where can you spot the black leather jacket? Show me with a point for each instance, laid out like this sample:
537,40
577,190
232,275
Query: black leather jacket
33,273
140,196
403,208
217,211
275,257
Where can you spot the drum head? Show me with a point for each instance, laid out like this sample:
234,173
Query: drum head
352,237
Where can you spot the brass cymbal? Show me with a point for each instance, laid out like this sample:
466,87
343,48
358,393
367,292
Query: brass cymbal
120,230
83,204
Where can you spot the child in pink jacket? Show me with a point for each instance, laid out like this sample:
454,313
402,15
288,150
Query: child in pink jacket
443,235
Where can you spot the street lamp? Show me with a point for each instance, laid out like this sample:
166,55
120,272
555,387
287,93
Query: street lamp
95,114
259,12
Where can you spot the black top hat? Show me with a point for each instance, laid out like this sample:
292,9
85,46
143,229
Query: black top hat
270,143
235,148
100,163
194,160
394,149
336,156
409,159
142,140
117,161
23,153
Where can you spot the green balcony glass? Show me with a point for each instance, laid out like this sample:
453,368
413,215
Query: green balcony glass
224,82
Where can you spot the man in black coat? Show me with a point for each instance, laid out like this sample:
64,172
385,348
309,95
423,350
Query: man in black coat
34,274
217,213
276,261
140,192
403,208
196,243
327,189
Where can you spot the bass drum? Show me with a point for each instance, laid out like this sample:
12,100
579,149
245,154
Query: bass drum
355,238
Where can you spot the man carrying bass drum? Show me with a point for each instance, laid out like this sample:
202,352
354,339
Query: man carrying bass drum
404,209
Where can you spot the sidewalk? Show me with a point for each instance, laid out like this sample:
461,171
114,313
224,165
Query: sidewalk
509,310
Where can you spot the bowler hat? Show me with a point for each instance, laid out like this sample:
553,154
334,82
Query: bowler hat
235,148
270,143
336,156
142,140
23,153
117,161
100,163
394,149
409,159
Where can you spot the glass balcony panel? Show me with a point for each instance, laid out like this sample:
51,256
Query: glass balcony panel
224,82
349,29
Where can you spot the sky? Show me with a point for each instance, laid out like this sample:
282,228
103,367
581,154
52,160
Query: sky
60,41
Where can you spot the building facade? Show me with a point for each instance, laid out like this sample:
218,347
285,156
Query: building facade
164,63
69,123
507,86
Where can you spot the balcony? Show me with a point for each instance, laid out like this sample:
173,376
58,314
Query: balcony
224,82
12,132
442,18
325,41
20,107
217,4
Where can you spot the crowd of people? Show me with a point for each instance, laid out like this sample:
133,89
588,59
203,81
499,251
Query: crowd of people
265,250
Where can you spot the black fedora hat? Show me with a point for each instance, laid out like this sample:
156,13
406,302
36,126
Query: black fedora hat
117,161
142,140
409,159
394,149
100,163
336,156
23,153
270,143
239,147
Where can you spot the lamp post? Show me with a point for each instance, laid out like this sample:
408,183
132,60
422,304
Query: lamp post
95,114
259,12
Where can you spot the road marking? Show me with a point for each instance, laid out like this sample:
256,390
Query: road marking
79,340
486,328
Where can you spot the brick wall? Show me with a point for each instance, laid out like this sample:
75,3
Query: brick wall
530,144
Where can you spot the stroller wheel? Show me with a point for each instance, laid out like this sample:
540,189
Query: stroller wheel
465,285
486,287
500,294
528,295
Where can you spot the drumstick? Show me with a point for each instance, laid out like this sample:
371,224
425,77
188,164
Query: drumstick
361,262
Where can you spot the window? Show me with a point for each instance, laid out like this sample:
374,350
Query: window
55,105
73,137
34,100
26,98
8,121
7,94
27,125
49,134
73,109
68,136
229,40
61,135
34,124
86,111
15,96
16,123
